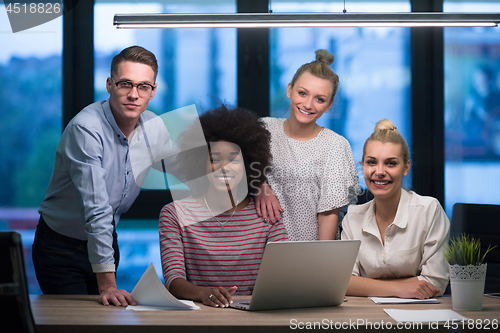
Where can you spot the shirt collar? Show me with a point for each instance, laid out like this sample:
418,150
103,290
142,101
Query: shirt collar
111,119
401,219
138,133
369,222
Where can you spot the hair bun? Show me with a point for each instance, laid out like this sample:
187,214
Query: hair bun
385,124
324,56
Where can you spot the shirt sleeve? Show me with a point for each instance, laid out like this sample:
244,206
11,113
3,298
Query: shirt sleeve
434,267
82,155
347,235
171,245
339,183
277,233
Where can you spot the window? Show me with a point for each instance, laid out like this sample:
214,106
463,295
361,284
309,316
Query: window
196,66
30,123
472,109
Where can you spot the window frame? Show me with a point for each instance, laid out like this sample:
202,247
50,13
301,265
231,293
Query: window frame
427,94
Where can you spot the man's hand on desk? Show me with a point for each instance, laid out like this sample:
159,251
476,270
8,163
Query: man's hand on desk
116,297
109,293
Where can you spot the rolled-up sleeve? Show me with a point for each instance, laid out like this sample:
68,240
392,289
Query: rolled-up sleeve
434,267
339,184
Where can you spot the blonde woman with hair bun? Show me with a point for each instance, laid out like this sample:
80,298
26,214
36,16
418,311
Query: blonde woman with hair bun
402,233
313,173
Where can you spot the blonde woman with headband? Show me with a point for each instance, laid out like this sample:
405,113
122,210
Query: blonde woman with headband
313,173
402,233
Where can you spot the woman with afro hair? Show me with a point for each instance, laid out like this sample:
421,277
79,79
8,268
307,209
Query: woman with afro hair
212,242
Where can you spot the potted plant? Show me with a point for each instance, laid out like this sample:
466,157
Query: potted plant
467,272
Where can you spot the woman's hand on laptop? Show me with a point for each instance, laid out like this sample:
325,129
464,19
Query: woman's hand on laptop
218,297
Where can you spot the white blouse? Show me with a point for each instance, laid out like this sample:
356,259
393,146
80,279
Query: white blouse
310,177
413,245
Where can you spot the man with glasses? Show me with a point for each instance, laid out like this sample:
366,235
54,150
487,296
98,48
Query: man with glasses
75,250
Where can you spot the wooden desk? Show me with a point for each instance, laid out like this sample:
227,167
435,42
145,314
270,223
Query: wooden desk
74,314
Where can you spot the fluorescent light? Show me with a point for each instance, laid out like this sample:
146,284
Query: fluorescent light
274,20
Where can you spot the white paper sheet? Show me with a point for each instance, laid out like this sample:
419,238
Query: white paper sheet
396,300
423,316
151,294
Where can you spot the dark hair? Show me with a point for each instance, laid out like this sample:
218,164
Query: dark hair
320,68
239,126
135,54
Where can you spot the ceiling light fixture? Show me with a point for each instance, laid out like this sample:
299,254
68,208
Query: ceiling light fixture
275,20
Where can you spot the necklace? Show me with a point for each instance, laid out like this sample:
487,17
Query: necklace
213,215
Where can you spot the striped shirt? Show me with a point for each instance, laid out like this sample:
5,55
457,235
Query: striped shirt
195,247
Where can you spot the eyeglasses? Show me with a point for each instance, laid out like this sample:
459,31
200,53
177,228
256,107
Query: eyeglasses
143,89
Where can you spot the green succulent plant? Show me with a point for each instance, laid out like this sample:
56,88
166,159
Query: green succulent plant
465,250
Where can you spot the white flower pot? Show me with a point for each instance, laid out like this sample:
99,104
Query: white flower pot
467,286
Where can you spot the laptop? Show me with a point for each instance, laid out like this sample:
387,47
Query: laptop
302,274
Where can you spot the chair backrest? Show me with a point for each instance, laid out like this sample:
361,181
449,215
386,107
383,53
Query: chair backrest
481,221
364,197
15,306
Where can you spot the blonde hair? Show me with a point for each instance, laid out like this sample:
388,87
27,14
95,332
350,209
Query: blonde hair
320,68
385,131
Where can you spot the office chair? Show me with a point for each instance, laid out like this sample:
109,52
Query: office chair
481,221
15,309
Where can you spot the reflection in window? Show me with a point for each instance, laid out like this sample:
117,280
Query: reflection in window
373,65
472,109
30,123
196,66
